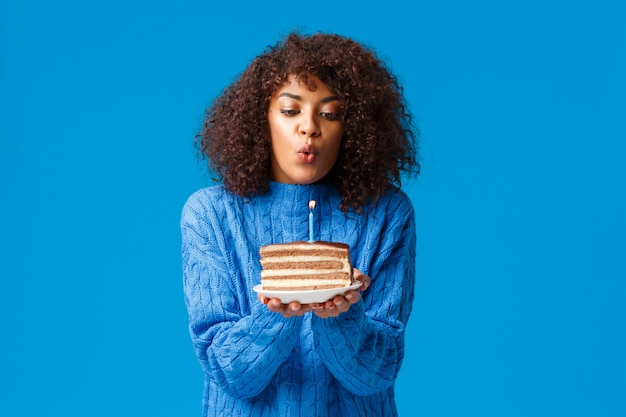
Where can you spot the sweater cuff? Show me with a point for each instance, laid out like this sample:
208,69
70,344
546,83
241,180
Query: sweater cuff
347,327
272,324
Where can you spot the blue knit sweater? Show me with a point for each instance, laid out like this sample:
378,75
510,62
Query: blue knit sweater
257,363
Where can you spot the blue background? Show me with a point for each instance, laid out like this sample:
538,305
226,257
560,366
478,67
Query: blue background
520,299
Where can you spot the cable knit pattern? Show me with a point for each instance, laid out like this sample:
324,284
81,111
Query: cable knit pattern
257,363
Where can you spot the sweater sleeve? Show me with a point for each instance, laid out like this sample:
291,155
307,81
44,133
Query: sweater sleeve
239,348
364,347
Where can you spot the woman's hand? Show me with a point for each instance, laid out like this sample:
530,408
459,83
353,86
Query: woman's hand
331,308
341,303
292,309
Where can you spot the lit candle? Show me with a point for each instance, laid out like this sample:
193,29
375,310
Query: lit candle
311,207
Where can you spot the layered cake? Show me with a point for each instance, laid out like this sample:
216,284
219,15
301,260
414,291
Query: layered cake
305,266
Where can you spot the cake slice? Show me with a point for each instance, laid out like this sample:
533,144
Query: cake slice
301,266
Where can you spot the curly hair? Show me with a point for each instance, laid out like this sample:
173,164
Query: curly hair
379,141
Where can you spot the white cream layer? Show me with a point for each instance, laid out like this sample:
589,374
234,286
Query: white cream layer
291,283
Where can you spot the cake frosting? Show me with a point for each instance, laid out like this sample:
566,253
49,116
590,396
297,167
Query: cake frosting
305,266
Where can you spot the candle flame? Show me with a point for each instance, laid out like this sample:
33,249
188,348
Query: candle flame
311,204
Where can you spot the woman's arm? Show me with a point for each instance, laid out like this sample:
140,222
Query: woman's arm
240,348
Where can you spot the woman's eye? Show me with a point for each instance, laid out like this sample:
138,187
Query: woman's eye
330,116
290,112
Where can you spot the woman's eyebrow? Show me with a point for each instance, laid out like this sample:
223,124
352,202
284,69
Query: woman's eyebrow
293,96
299,98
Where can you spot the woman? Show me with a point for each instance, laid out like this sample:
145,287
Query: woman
316,117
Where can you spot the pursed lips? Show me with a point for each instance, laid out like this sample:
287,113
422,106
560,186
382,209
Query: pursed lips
307,153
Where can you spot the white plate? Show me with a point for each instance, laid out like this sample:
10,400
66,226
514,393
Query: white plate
306,297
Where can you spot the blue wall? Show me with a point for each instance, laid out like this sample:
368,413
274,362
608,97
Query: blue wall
519,308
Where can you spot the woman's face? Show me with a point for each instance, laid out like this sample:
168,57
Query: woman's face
305,132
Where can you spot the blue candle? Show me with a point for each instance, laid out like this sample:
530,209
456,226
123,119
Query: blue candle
311,207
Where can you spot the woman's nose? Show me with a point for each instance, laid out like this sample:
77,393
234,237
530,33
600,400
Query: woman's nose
309,126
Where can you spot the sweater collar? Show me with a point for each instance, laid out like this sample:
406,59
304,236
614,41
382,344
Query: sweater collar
299,192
